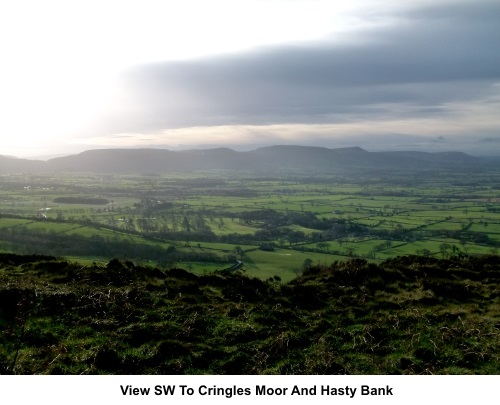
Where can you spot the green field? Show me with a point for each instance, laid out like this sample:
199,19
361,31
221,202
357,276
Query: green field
208,221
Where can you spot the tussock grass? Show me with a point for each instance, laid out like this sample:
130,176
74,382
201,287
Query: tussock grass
408,315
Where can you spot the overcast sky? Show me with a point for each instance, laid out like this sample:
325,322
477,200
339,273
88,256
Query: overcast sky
380,74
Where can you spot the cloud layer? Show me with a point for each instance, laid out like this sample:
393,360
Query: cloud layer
428,79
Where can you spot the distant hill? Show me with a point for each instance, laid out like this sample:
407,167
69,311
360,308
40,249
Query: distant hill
10,164
426,157
272,158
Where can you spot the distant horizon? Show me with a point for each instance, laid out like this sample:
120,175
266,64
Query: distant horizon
246,148
420,75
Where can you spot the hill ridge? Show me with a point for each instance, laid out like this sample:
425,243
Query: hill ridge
284,157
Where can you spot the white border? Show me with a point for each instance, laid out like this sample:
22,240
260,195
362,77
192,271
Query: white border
421,390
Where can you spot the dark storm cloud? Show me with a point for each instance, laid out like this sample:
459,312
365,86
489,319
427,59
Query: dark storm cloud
436,56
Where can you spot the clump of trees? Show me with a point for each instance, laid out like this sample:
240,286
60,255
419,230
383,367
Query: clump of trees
81,200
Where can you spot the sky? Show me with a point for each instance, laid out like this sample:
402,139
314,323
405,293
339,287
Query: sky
379,74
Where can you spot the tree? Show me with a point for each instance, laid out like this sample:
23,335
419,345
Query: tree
295,237
463,242
185,225
239,252
425,252
221,223
307,264
443,247
200,222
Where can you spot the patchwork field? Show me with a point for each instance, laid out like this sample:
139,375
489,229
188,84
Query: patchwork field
275,226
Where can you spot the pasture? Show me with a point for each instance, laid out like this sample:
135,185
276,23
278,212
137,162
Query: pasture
206,221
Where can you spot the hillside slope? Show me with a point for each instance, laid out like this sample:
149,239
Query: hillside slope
409,315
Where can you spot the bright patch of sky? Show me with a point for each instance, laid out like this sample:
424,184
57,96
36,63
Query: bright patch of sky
72,72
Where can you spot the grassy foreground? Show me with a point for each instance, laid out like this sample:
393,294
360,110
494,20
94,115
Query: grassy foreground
409,315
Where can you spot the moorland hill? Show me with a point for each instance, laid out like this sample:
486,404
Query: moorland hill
272,158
